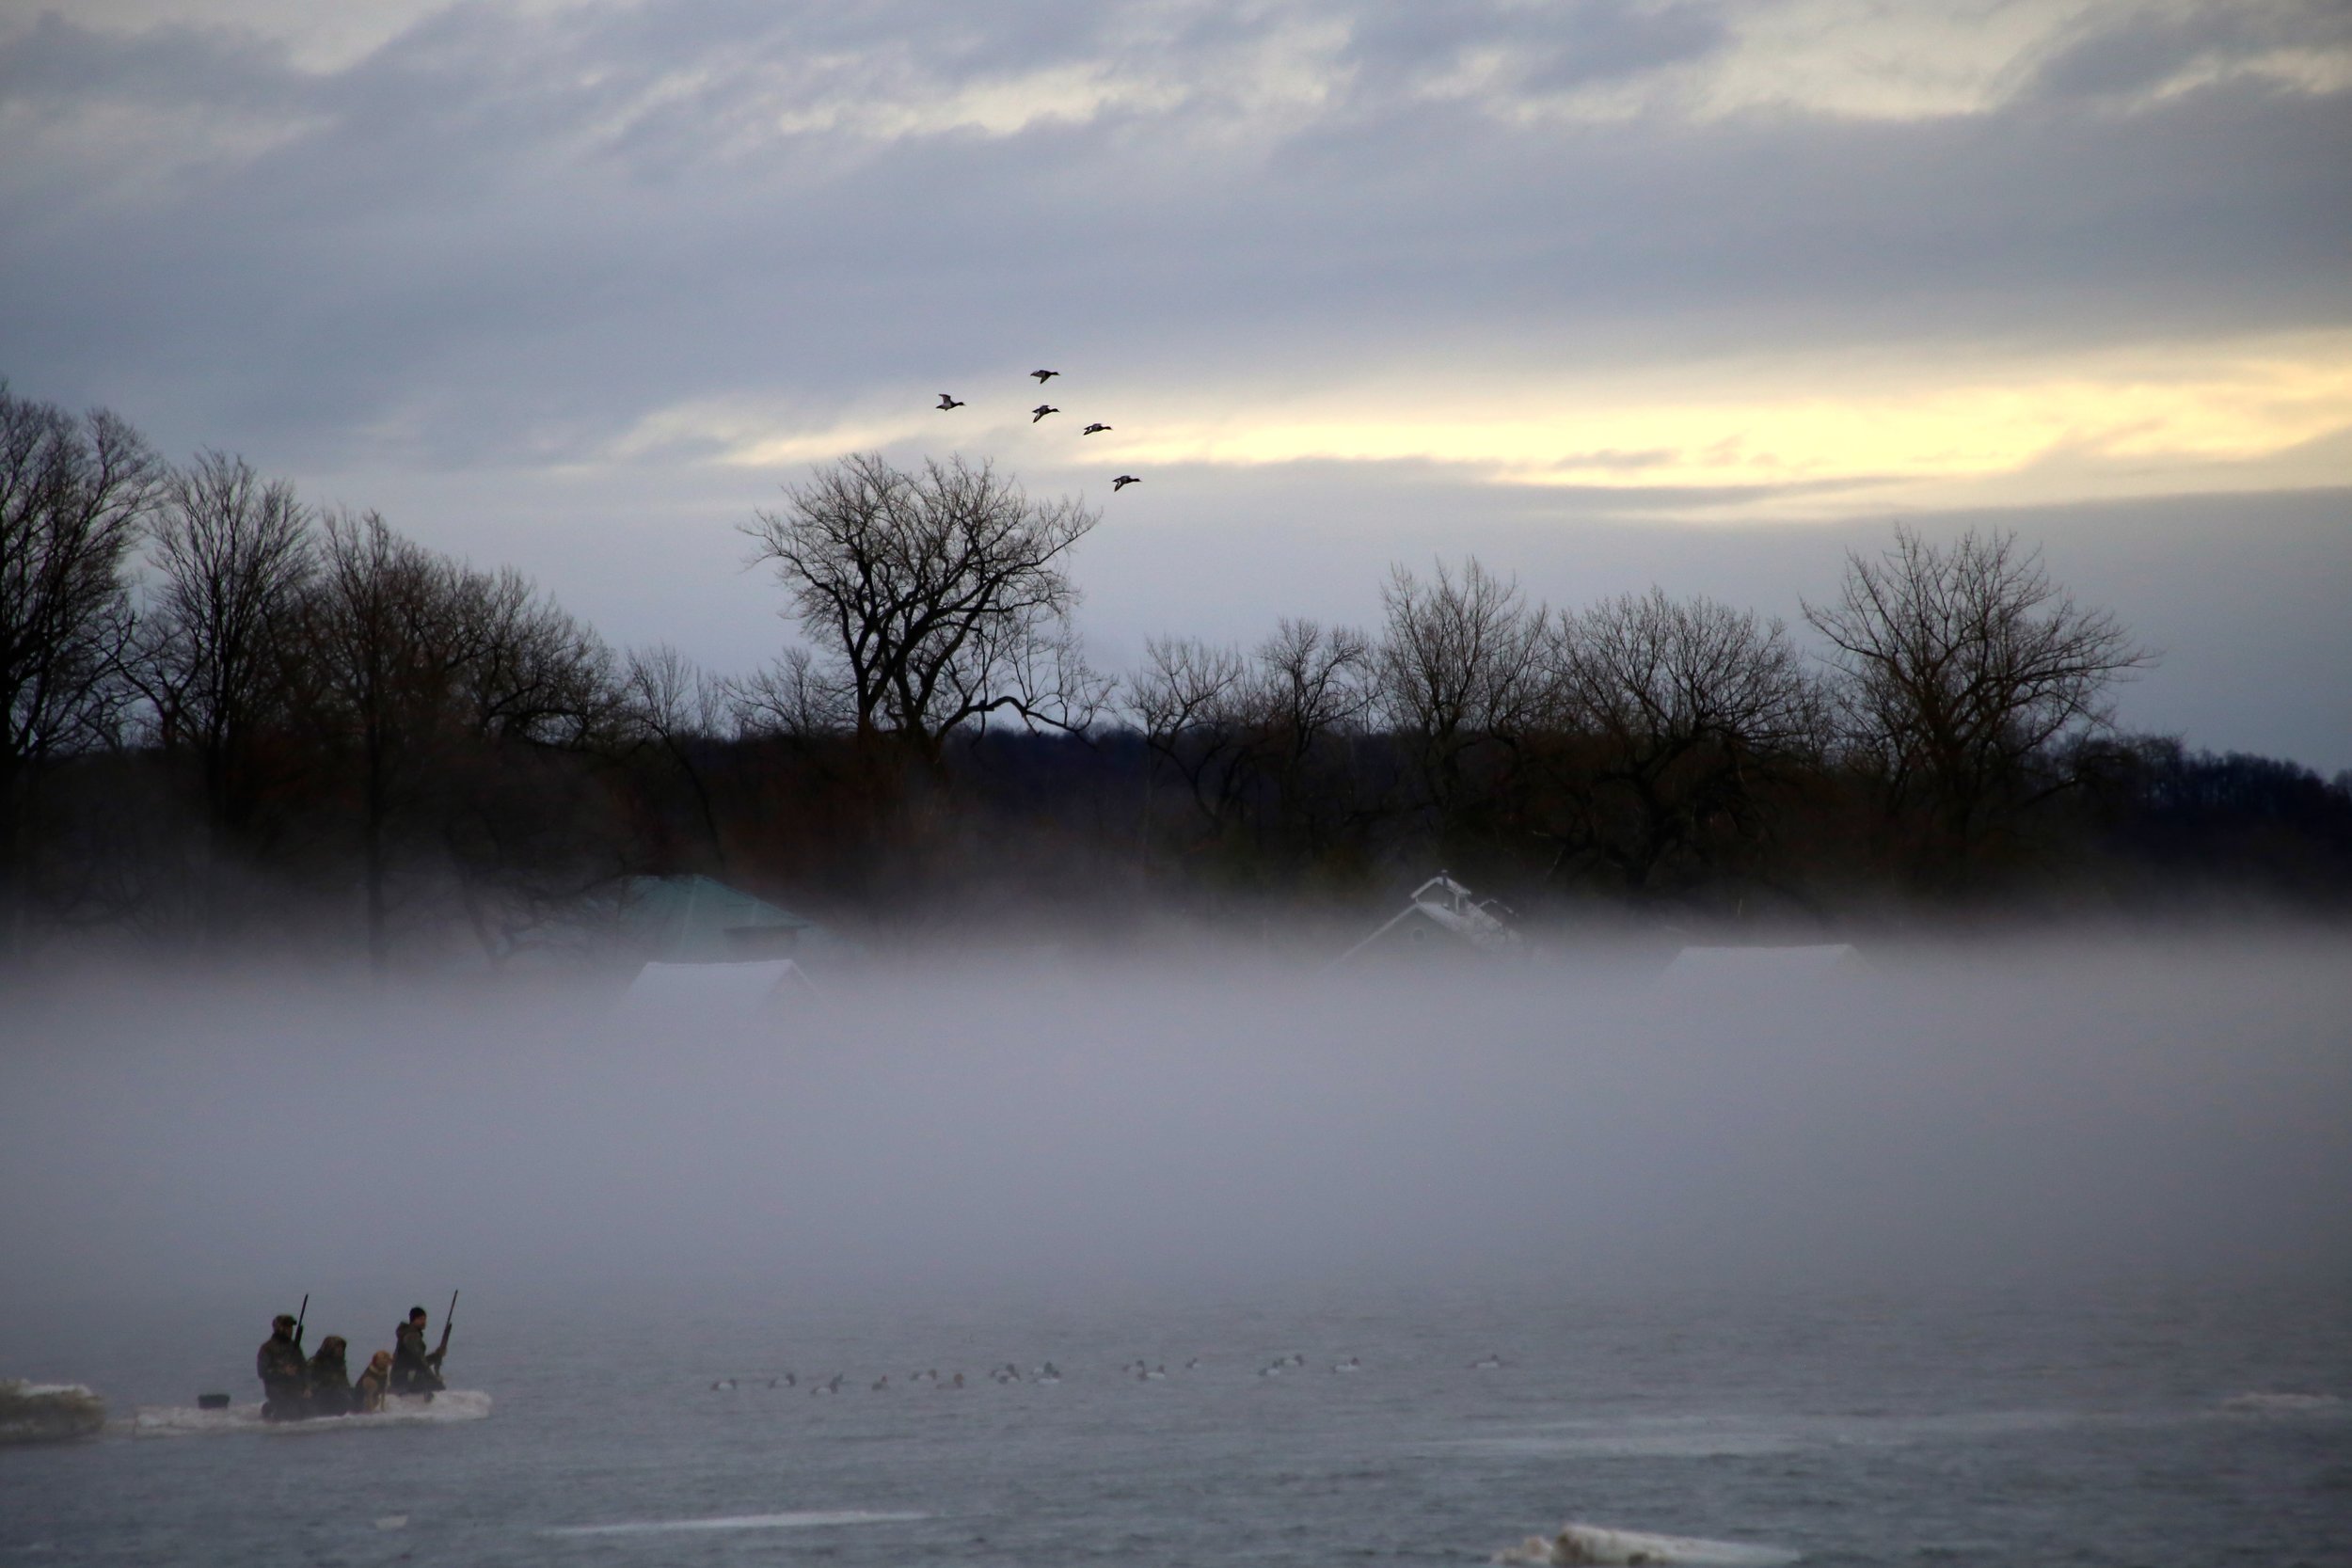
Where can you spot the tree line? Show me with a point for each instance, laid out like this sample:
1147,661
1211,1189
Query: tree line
235,717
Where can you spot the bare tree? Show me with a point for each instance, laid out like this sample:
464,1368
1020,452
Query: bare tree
459,692
526,669
74,493
234,555
674,708
796,697
1963,675
1309,688
526,830
1242,731
936,598
1457,670
673,700
1189,701
1312,681
1682,709
382,652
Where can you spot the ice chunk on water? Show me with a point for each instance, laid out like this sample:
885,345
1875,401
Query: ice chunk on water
48,1412
2283,1404
1579,1544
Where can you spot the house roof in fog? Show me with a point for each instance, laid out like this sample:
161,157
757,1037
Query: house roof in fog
701,920
1444,910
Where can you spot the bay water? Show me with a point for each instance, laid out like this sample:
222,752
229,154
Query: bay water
2020,1255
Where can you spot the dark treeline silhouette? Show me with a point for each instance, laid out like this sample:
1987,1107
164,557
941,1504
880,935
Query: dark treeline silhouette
235,718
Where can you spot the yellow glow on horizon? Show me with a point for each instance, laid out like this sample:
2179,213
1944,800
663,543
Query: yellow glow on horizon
1727,427
1777,436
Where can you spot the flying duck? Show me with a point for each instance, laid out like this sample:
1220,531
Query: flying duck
1094,428
1040,411
946,402
1121,482
1044,376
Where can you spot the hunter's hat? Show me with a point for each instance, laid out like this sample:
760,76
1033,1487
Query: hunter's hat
284,1319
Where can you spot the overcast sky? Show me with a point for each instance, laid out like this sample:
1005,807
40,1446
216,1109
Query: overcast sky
1608,291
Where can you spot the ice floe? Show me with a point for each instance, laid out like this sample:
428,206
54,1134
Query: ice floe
48,1412
2283,1404
1577,1545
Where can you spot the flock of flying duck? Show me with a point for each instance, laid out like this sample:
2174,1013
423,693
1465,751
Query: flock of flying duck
948,401
1138,1371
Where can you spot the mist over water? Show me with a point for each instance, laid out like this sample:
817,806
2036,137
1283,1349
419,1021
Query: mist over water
1045,1127
1921,1226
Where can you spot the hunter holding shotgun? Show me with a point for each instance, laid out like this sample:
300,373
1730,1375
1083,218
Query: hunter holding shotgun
415,1369
283,1368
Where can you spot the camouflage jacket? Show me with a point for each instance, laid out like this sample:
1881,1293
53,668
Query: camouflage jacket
328,1375
280,1362
412,1366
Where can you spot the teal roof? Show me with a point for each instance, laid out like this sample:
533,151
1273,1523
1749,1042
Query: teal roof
697,920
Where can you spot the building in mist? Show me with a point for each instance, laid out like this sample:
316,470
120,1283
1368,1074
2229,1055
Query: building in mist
1444,920
700,942
697,920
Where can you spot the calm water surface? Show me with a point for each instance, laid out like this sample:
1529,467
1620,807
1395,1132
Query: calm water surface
2160,1425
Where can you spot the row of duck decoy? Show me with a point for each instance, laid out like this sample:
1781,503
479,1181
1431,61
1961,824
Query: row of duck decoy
949,402
1140,1370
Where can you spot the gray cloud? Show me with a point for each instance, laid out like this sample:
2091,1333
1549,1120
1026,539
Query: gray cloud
1549,48
499,233
52,62
2134,52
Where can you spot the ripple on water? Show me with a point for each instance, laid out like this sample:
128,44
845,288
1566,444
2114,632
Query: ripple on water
801,1519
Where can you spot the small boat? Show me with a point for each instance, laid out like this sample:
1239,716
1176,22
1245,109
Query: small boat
189,1420
48,1412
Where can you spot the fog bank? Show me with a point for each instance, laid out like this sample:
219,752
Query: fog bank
1925,1119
